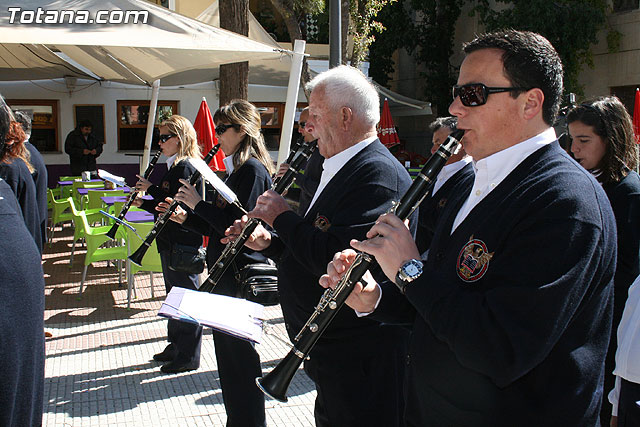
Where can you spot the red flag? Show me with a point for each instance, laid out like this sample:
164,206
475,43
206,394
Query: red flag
207,135
386,130
636,116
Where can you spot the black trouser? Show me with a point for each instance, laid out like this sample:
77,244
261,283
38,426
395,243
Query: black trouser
185,336
238,367
628,408
359,381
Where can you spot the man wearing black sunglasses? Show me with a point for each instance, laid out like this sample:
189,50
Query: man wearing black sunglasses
511,309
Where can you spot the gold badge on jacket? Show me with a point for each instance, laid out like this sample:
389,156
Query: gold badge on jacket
321,222
473,260
166,186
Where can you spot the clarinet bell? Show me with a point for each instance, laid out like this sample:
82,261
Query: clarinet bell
276,382
137,256
112,231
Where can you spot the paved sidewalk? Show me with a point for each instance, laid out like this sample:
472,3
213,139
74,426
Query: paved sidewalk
99,370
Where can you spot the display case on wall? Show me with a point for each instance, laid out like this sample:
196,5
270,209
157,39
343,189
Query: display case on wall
133,116
44,122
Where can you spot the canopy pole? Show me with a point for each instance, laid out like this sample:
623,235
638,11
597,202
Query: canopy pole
292,100
153,106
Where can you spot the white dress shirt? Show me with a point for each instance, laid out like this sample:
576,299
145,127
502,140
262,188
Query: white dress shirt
333,164
492,170
228,164
448,171
628,353
170,160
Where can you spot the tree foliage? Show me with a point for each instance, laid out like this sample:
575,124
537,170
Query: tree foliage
425,28
570,25
363,22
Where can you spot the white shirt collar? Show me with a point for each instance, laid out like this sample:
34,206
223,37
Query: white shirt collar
492,170
228,164
332,165
170,160
448,171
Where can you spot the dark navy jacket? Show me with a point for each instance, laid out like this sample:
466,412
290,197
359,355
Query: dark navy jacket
213,218
432,207
347,208
172,231
21,319
625,201
40,179
17,175
514,308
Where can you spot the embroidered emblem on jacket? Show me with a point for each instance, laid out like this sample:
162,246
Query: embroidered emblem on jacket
321,223
473,260
166,186
442,202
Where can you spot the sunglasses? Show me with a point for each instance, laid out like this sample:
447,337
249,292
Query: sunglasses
476,94
165,138
220,129
302,124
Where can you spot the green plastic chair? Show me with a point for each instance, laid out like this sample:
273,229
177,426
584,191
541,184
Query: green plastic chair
95,237
59,213
92,216
150,262
69,178
83,184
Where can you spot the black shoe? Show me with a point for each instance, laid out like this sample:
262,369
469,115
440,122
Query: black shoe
176,367
167,355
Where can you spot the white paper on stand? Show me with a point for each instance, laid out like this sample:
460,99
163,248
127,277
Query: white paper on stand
234,316
214,180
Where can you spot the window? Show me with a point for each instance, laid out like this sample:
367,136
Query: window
271,117
44,121
625,5
132,122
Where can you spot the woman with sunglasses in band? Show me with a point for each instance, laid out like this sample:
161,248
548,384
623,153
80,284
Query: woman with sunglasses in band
249,169
178,142
602,141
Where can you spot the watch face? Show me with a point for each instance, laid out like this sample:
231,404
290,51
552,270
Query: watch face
411,269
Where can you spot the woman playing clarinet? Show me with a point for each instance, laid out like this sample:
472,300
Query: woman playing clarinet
178,142
249,168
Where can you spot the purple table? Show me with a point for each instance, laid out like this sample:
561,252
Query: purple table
85,191
139,216
110,200
62,183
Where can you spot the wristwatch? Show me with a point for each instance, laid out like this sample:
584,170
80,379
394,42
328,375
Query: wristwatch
407,273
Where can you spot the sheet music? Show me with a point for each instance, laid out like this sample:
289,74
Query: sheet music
233,316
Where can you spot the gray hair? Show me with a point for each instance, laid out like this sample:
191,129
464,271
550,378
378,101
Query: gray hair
24,120
345,86
450,123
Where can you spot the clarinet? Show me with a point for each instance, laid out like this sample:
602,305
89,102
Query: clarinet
125,208
280,185
162,220
276,383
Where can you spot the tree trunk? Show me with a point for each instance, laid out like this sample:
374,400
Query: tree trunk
234,78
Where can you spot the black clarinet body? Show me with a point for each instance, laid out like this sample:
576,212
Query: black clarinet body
125,208
137,256
233,248
276,383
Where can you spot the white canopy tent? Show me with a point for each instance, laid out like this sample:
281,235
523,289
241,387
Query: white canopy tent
157,44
